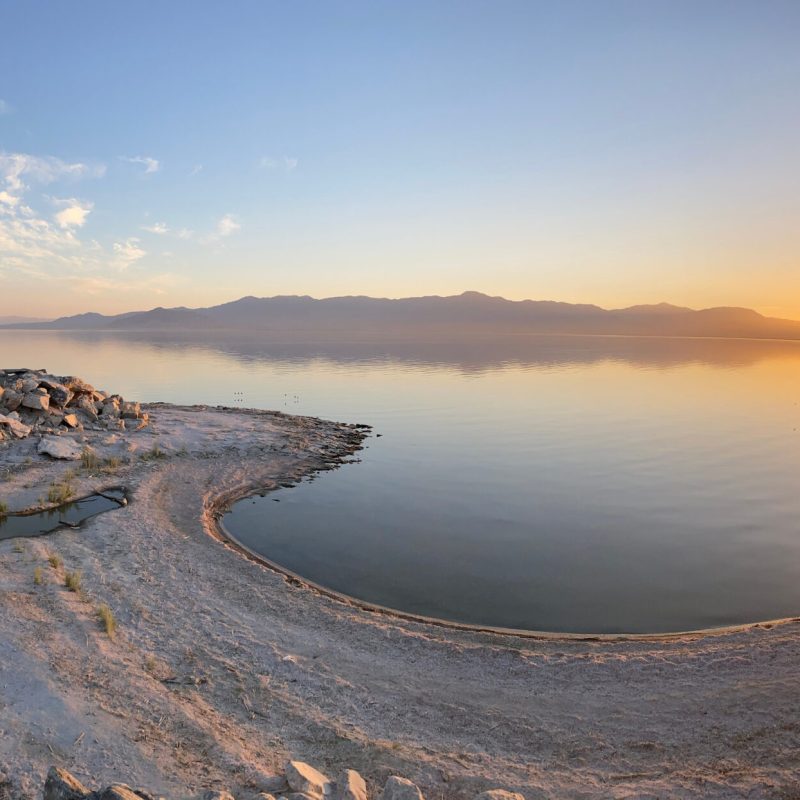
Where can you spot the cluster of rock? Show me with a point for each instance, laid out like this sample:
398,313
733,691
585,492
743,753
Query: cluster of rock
301,782
31,401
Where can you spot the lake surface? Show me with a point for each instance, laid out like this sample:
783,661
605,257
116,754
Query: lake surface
574,484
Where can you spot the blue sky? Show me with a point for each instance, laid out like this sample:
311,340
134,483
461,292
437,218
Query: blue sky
190,153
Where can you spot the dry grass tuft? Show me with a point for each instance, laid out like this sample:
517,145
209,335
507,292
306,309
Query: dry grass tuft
37,576
73,581
55,560
107,620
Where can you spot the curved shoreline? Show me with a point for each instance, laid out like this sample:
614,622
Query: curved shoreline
218,507
222,667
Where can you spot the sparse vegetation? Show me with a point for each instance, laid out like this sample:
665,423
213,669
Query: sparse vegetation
150,664
18,548
37,576
55,560
61,491
3,509
112,464
107,620
74,581
153,454
89,460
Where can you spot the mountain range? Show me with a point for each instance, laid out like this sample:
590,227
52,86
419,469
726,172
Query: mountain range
467,313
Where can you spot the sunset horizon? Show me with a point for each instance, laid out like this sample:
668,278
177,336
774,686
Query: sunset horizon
400,400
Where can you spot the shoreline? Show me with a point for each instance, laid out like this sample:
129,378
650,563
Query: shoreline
222,668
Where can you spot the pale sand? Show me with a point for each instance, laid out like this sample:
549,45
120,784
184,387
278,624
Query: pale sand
284,670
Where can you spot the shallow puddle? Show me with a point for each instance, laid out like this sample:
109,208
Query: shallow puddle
69,515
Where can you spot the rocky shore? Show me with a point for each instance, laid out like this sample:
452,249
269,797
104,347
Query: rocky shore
143,647
300,781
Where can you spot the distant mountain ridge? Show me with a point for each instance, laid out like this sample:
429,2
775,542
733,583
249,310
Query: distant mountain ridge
470,312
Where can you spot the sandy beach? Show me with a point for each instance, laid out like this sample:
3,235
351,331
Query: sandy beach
222,668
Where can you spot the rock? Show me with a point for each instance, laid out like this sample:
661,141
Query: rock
130,410
29,385
118,791
60,785
84,404
19,429
59,394
400,789
499,794
71,420
304,779
272,784
297,796
213,794
265,796
350,786
36,402
76,385
2,392
59,447
12,400
110,409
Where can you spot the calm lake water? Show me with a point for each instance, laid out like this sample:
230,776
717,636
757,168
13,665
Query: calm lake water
563,484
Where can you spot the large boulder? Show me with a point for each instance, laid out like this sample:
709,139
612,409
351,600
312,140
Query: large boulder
60,447
397,788
18,429
36,401
61,785
350,786
86,404
305,779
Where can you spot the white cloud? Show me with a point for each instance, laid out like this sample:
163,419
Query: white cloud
74,213
184,233
157,227
16,168
125,253
8,199
151,165
286,163
5,108
196,169
227,225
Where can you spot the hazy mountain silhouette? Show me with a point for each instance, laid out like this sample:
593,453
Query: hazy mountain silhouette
467,313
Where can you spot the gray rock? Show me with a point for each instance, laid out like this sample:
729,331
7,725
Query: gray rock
131,410
36,402
29,385
59,447
304,779
214,794
350,786
118,791
12,400
84,404
499,794
71,420
59,394
110,409
400,789
18,429
60,785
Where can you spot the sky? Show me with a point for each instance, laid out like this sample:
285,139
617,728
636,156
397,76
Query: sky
189,153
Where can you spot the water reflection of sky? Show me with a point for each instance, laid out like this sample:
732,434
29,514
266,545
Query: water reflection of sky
570,483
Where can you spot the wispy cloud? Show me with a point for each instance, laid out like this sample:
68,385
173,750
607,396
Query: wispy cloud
227,225
150,165
5,108
125,253
285,163
197,168
18,168
157,227
74,212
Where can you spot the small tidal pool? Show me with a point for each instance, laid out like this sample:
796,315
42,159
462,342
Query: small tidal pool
70,515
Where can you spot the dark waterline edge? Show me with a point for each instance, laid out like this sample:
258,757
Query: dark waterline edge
364,605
